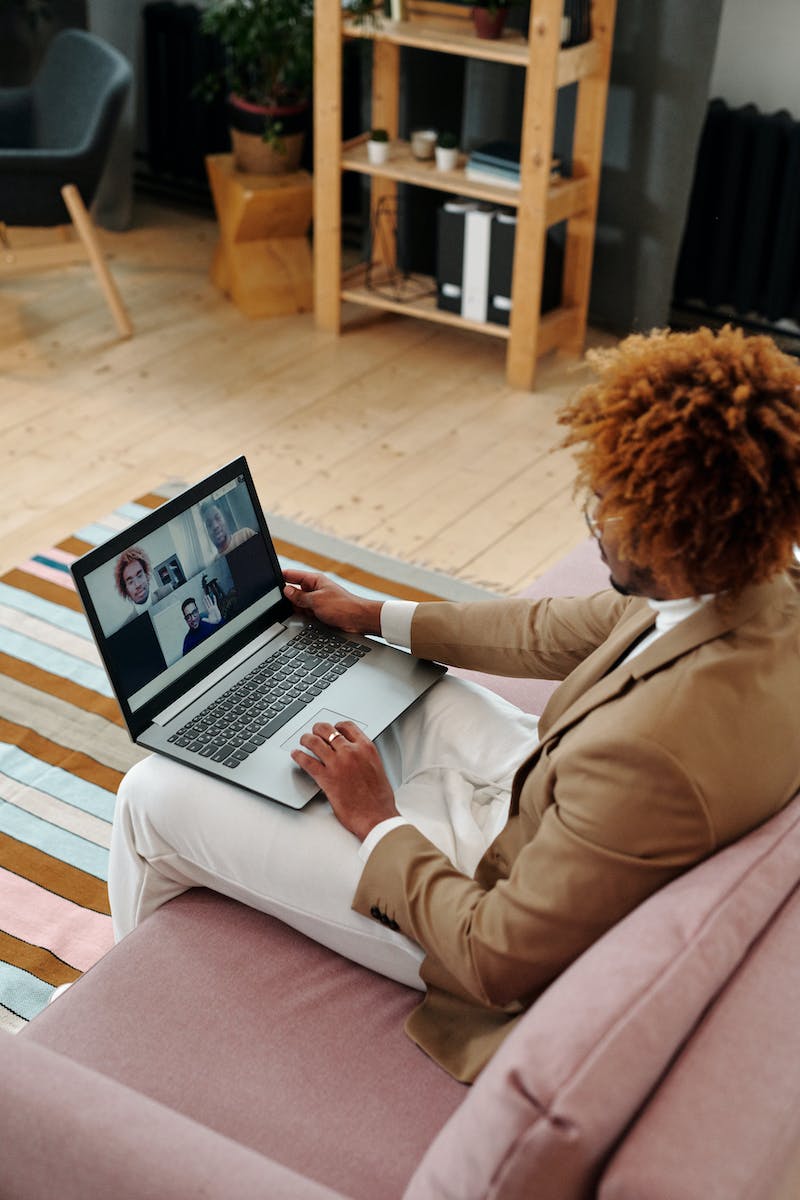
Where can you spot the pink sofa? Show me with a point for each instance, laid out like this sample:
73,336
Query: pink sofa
216,1053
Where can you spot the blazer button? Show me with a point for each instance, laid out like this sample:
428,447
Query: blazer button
393,925
375,912
384,919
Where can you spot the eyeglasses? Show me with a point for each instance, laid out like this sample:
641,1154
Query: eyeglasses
189,613
595,526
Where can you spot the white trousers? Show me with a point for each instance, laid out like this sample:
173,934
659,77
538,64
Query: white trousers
451,760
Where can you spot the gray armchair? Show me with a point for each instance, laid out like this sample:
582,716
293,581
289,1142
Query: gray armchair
54,139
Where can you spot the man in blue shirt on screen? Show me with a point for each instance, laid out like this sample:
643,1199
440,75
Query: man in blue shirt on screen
200,627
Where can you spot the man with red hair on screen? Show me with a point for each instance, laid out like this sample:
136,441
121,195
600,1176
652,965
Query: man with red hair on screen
133,577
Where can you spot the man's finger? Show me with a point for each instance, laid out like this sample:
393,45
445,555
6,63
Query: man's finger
351,731
307,580
298,597
312,766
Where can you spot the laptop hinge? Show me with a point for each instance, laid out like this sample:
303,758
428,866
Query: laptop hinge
201,689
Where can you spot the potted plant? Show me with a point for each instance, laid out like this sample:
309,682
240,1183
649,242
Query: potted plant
267,70
489,17
446,152
378,146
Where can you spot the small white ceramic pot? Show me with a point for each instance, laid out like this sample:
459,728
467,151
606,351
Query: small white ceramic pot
377,152
446,158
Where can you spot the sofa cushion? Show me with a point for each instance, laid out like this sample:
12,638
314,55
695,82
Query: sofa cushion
725,1123
72,1133
546,1111
253,1030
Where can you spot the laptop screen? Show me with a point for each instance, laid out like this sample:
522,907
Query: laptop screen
171,597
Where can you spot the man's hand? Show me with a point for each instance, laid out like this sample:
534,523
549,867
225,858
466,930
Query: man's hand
331,604
349,771
212,613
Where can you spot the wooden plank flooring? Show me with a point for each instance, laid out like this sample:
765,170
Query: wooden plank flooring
401,436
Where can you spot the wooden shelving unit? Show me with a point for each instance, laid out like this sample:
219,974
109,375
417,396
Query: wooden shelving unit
541,201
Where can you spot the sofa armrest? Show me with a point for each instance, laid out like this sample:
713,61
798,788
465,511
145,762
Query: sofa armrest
74,1133
725,1122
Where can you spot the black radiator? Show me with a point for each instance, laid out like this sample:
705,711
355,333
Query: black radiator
182,128
741,247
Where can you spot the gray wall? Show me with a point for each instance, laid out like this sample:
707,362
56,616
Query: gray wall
661,70
756,60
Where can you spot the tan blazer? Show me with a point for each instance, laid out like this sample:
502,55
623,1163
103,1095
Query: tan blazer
642,770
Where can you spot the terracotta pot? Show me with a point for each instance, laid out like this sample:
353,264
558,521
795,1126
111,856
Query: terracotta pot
251,153
489,24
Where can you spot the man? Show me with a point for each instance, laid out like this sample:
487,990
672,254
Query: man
217,529
200,627
133,574
491,854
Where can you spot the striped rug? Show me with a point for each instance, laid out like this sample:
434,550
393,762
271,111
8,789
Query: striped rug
63,751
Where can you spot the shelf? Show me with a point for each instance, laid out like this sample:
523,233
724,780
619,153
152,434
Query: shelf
554,326
565,197
542,200
354,289
511,48
574,62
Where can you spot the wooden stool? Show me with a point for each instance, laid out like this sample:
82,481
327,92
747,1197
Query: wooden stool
263,258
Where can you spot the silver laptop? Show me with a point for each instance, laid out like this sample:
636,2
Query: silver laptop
206,657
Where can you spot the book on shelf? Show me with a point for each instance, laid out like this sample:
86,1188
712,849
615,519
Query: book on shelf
466,246
475,262
497,154
502,157
484,174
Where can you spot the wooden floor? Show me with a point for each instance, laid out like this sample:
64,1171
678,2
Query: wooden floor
400,435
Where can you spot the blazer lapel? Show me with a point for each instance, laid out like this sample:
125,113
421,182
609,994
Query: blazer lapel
592,683
597,680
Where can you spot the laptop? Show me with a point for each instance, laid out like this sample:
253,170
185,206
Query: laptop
208,660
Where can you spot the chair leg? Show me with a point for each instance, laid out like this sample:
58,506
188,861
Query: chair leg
88,235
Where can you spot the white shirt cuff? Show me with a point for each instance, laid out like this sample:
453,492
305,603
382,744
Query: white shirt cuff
376,833
396,617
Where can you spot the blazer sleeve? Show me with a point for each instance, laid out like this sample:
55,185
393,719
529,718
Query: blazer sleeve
544,639
609,840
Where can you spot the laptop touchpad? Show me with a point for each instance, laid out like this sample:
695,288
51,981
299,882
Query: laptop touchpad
324,714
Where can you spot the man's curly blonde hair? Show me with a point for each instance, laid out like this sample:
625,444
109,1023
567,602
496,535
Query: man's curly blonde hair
692,440
134,555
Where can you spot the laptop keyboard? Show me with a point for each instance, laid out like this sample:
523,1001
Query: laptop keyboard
231,728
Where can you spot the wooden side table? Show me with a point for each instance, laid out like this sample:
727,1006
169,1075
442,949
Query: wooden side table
263,258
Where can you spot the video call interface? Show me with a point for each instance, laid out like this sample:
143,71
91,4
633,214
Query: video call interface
178,593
